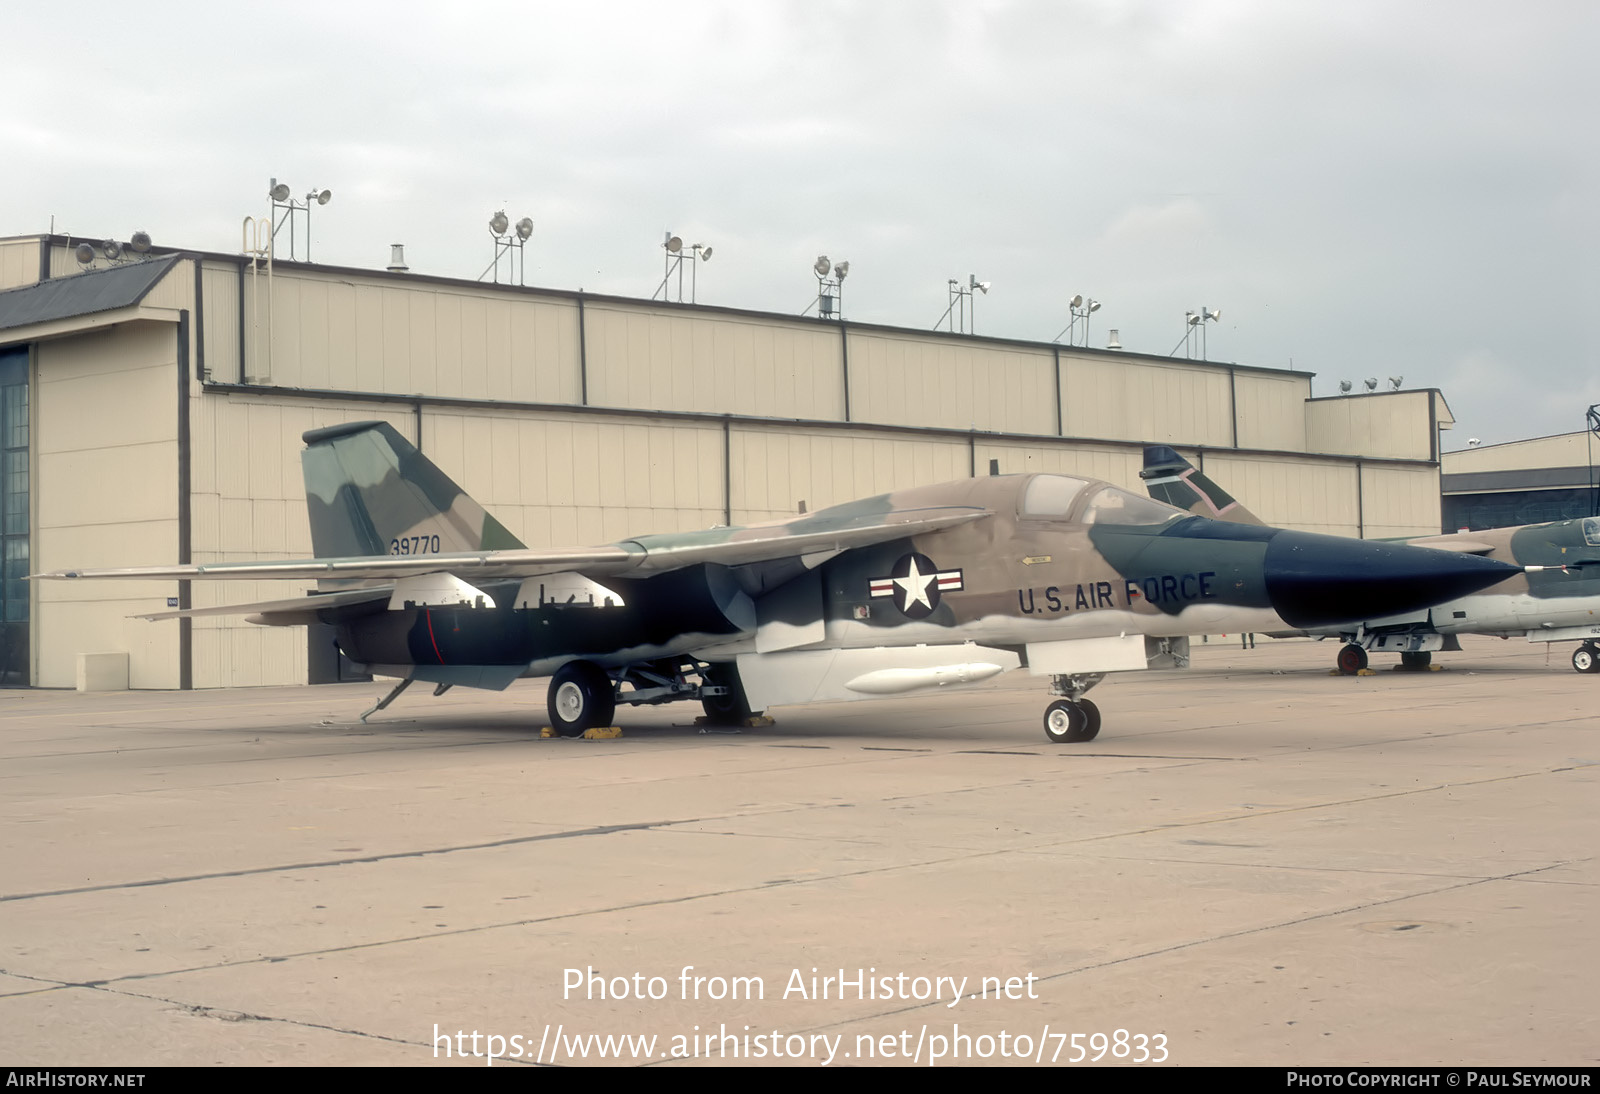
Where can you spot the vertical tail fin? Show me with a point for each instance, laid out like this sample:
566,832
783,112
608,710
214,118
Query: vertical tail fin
1170,478
370,492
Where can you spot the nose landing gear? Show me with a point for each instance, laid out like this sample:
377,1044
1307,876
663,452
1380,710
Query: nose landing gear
1072,719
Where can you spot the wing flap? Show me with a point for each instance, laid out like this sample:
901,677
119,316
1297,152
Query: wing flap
305,606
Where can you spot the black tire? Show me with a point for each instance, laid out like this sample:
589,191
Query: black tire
1352,659
1092,730
1066,722
732,708
1586,659
581,697
1417,661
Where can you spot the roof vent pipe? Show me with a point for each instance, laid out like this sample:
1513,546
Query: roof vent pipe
397,258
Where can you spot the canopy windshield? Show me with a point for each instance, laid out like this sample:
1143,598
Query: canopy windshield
1051,496
1112,505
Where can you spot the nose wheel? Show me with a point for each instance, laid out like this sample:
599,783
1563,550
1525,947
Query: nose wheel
1352,659
1071,721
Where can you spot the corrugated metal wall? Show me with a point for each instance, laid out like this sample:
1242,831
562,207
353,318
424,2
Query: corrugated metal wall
19,262
105,443
1396,425
1132,399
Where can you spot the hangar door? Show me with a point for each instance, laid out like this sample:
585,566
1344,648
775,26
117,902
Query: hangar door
14,530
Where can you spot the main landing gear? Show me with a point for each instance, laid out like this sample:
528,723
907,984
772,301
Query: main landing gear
1586,658
581,697
1072,719
722,696
584,696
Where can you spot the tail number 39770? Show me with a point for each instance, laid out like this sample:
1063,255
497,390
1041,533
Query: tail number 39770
414,545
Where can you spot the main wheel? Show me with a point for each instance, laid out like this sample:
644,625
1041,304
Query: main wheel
1066,722
1092,712
732,708
581,697
1416,661
1352,659
1586,659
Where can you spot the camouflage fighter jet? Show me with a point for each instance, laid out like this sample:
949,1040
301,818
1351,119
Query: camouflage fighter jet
920,588
1555,599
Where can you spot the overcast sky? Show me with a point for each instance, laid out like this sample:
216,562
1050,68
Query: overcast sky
1361,188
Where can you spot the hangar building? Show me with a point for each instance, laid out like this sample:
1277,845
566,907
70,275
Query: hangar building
1521,482
152,408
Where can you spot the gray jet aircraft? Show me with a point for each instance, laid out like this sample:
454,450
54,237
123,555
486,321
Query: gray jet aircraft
920,588
1555,599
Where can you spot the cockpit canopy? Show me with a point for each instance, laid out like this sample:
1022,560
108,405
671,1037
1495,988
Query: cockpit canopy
1062,497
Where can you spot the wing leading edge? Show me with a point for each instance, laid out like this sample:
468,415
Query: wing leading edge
648,555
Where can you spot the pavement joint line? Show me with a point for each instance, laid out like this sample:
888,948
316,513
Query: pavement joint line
1225,936
203,1011
528,922
599,830
603,830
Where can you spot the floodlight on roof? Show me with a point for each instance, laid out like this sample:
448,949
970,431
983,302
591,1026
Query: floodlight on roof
1344,387
1473,442
84,253
822,265
111,249
140,242
279,191
840,269
509,242
1211,313
672,262
974,283
321,197
1395,382
1372,383
1081,308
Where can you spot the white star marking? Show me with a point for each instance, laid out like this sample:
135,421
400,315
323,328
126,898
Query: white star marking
915,585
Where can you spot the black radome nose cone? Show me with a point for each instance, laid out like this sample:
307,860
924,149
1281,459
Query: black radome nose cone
1315,581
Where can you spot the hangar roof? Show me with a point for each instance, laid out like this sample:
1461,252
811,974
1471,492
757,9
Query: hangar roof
82,294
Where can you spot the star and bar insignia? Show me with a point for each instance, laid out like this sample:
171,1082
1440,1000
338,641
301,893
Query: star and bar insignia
916,585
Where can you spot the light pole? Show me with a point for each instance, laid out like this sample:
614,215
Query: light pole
830,288
1080,309
279,193
510,244
673,261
